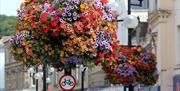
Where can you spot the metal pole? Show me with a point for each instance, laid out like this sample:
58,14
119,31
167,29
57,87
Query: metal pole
129,30
44,76
124,88
131,88
82,79
129,7
37,80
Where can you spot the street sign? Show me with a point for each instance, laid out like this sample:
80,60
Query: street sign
67,82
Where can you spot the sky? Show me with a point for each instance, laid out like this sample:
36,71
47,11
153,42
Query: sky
9,7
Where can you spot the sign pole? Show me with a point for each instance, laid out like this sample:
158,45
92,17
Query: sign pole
44,76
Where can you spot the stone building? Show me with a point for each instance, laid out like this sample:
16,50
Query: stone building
16,77
164,24
2,62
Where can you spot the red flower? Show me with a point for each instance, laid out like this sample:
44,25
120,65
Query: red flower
55,34
118,76
101,55
104,1
41,30
97,62
43,17
47,28
54,24
126,79
34,18
110,59
106,31
114,35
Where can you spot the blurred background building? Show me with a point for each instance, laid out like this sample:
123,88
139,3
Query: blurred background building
164,25
15,76
2,62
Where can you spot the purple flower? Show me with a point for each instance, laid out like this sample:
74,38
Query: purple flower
121,57
66,3
53,13
63,14
17,42
67,9
20,16
146,58
73,60
85,13
104,17
76,1
156,73
125,70
17,39
11,40
47,6
74,18
56,1
71,7
69,14
102,41
61,20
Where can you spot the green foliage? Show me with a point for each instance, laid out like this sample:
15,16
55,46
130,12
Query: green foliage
7,25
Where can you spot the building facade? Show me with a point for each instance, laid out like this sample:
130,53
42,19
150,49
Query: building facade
16,78
2,62
164,22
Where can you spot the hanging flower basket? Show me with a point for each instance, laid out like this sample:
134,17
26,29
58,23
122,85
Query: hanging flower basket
63,33
147,72
118,65
130,65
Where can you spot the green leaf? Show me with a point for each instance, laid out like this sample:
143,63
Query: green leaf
17,57
20,51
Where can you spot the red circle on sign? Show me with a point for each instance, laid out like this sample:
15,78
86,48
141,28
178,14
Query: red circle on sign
62,87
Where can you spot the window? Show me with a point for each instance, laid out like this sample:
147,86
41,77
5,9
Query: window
155,5
145,4
178,44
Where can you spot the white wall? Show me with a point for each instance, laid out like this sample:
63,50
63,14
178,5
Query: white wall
122,31
177,26
2,59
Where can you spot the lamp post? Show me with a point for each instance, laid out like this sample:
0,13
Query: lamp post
46,80
41,75
129,13
36,80
32,71
44,76
130,86
83,69
130,22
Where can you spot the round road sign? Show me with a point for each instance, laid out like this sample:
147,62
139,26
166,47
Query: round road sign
67,82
